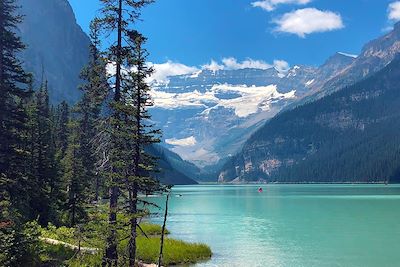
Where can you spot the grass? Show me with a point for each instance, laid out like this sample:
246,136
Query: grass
152,229
175,251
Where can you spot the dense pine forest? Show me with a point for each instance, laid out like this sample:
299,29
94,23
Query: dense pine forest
82,169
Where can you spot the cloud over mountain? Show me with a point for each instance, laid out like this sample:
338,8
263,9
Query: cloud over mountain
164,70
170,68
394,11
305,21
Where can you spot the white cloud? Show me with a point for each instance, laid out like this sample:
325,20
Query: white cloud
270,5
213,66
281,65
162,71
232,64
309,20
170,68
185,142
394,11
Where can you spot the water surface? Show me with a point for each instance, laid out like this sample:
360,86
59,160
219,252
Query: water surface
291,225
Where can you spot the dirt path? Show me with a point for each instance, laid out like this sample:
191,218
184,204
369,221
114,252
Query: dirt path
57,242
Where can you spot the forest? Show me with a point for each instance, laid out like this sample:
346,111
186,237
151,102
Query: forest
79,175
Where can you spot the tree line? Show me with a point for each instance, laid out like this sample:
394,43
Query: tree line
57,163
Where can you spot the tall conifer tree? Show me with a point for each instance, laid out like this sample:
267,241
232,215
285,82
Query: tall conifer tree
89,109
75,179
61,129
117,15
141,134
13,156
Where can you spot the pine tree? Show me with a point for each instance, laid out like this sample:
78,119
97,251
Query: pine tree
45,199
75,178
117,15
89,108
61,129
143,134
15,244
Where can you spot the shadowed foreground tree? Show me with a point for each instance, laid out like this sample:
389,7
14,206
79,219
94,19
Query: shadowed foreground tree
141,132
129,166
16,244
89,109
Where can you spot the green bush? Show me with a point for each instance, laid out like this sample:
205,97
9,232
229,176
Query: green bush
19,245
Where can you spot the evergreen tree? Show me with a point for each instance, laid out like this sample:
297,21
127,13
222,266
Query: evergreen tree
89,109
45,198
143,134
117,16
15,244
75,178
61,129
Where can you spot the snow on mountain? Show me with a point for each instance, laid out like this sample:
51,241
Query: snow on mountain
207,114
347,54
244,100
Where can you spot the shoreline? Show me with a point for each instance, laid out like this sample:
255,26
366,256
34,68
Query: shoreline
294,183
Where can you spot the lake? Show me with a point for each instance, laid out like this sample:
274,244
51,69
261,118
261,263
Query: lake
290,225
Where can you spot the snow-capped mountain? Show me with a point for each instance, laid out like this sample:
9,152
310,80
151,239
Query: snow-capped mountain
207,115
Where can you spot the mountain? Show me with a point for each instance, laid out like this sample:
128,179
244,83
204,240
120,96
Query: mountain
374,56
56,46
208,115
173,170
351,135
332,67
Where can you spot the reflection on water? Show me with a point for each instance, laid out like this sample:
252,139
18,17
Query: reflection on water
290,225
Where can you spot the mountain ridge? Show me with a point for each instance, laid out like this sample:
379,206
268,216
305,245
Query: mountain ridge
347,136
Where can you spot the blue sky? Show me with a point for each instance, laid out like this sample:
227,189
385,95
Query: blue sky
193,32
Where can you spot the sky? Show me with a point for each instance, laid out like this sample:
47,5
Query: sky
189,34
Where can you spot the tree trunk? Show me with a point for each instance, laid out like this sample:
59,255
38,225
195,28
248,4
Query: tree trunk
73,211
96,196
163,232
111,249
134,192
2,35
111,256
117,95
133,222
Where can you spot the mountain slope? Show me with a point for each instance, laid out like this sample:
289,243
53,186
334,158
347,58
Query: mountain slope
173,170
349,136
56,45
208,115
374,56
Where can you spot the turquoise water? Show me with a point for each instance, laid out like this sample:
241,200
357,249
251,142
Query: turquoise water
291,225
